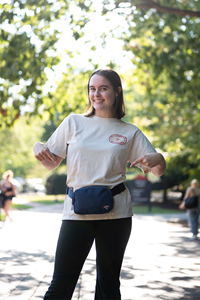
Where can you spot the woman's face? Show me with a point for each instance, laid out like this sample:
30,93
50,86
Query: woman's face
102,96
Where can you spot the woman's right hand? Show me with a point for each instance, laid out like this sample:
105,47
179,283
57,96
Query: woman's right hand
42,153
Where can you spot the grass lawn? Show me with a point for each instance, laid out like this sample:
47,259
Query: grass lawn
140,210
20,206
46,199
50,200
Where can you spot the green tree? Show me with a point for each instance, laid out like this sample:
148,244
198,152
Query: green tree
70,96
181,8
164,37
16,148
27,46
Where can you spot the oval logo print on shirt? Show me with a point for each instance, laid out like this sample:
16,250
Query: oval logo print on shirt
117,139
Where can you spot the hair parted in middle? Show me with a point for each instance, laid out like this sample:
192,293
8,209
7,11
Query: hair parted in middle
113,77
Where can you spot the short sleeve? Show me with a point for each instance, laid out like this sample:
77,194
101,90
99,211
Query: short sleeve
58,142
140,146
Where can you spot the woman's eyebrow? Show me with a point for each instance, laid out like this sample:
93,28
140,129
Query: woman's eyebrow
103,85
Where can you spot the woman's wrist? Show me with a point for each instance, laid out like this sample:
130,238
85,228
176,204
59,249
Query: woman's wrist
159,170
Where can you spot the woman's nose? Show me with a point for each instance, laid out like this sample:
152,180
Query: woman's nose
96,92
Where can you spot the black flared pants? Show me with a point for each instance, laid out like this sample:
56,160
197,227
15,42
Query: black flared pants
74,243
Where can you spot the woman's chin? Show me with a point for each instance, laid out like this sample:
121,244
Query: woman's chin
99,107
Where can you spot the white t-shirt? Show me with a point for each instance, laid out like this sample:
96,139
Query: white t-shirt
97,151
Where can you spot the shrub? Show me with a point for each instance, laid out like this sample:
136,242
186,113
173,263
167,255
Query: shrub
56,184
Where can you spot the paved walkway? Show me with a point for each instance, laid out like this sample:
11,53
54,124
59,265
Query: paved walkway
161,262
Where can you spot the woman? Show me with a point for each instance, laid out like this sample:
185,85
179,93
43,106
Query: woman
97,145
9,191
192,213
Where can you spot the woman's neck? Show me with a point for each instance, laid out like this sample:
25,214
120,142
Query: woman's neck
104,114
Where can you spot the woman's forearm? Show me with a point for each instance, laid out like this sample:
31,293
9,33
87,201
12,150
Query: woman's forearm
159,170
50,165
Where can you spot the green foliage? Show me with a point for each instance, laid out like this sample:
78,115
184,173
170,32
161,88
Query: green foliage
16,148
161,90
21,206
45,198
56,184
48,202
17,142
181,8
138,210
166,75
70,95
27,47
49,128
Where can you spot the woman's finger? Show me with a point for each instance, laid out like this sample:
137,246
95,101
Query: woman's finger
52,157
137,161
45,155
149,160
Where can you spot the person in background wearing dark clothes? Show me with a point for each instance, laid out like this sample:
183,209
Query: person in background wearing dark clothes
9,191
192,213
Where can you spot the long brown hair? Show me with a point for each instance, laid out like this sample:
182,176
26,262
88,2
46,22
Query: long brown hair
113,77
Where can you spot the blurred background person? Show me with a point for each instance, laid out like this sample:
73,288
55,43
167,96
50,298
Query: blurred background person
192,213
9,191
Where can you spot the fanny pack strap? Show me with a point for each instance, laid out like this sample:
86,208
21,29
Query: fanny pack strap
116,190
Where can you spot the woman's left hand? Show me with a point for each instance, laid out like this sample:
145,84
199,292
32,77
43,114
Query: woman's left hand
151,162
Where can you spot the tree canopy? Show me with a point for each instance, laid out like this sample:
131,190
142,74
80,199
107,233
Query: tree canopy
164,37
181,8
16,148
70,96
162,85
28,47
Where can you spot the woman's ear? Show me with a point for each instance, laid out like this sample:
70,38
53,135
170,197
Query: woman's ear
119,91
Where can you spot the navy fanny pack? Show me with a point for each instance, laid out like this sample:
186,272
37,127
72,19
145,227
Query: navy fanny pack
94,199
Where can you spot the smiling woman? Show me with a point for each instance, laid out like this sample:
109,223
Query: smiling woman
98,207
105,95
102,96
